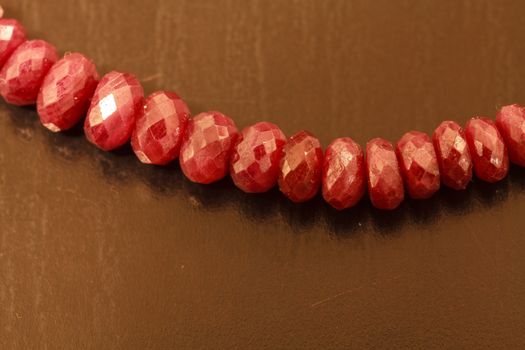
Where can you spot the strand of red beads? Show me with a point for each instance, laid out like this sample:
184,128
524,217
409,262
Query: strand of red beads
209,145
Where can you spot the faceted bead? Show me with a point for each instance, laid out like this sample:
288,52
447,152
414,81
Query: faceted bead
24,72
158,131
455,162
488,151
66,92
207,146
343,173
385,184
254,165
511,124
301,167
418,164
117,102
12,35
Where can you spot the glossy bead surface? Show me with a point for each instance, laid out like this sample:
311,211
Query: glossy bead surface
254,165
66,92
385,185
455,162
343,181
158,131
12,35
301,167
23,73
206,147
488,151
418,163
117,102
510,121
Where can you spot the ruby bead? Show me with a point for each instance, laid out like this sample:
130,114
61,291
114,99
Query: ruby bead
418,164
254,165
206,147
66,92
511,124
453,155
117,102
158,131
385,185
301,167
12,35
343,181
23,73
488,151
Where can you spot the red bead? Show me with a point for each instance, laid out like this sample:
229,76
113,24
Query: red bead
206,147
66,92
24,72
418,164
511,124
488,151
343,173
385,184
301,167
158,131
455,162
117,102
12,35
254,165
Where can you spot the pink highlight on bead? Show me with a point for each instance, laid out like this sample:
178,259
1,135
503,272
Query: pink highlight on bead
66,92
301,167
12,35
385,185
254,165
206,147
343,182
510,121
117,102
159,130
23,73
488,151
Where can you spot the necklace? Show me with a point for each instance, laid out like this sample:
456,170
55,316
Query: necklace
209,145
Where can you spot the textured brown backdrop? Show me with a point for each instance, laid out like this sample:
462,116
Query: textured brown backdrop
98,251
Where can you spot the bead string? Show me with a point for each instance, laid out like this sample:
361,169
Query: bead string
209,145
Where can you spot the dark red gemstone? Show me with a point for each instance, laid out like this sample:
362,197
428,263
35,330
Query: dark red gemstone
254,165
511,124
385,184
343,173
301,167
488,151
206,147
66,92
455,162
12,35
118,101
158,131
418,164
23,73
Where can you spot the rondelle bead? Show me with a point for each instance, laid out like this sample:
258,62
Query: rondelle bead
24,71
453,155
158,131
418,164
207,146
488,151
511,124
301,167
385,185
66,92
12,35
254,165
117,102
343,181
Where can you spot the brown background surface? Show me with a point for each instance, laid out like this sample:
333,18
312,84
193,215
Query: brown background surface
98,251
